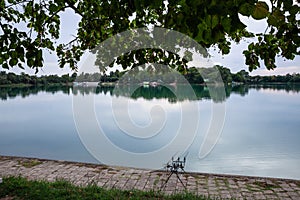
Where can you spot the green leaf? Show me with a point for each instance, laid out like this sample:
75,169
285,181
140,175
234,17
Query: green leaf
156,4
226,23
246,9
13,62
259,39
287,4
52,8
39,55
217,34
199,36
294,10
217,9
237,24
5,66
225,48
20,51
30,62
215,21
261,10
13,54
276,18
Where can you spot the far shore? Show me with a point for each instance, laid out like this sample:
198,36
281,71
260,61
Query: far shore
113,84
33,85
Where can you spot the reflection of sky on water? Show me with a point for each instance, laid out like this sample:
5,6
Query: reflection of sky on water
260,136
139,111
40,126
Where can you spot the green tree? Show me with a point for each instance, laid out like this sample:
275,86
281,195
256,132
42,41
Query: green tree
209,22
12,78
3,78
193,76
25,78
242,76
65,78
73,77
225,74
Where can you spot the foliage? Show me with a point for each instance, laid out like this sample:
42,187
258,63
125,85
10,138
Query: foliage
289,78
24,91
241,77
139,76
96,77
158,92
28,27
215,72
12,78
20,188
29,164
192,75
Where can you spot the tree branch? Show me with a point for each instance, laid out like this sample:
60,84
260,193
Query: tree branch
71,5
11,5
61,9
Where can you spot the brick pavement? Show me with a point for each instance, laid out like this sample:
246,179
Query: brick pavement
212,185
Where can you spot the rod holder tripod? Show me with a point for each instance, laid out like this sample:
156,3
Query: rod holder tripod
174,167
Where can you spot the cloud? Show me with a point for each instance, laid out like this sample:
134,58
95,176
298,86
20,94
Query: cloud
277,71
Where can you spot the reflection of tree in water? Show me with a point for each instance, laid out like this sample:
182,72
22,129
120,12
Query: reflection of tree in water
173,94
286,87
161,92
12,92
240,89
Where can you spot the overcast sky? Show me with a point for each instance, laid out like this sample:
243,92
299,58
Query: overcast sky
235,60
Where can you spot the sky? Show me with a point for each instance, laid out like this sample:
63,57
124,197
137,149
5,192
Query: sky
234,60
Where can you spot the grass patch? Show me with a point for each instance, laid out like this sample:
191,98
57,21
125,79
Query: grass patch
21,188
265,185
156,181
29,163
226,183
254,189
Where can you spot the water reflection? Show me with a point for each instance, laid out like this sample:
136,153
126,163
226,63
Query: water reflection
260,135
147,93
12,92
159,92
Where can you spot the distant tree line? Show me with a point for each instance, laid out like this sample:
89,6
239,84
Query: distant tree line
113,76
192,75
12,78
160,92
244,77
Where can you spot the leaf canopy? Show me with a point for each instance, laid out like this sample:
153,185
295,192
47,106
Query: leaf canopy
209,22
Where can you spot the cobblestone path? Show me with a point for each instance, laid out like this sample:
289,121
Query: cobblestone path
219,186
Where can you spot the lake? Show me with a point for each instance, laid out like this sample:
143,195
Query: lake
259,137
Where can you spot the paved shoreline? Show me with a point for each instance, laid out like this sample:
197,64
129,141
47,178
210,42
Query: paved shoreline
213,185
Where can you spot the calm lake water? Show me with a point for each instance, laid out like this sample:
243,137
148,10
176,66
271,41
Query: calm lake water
260,135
